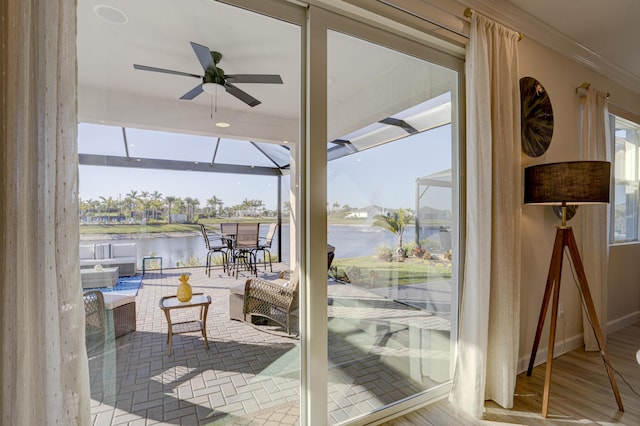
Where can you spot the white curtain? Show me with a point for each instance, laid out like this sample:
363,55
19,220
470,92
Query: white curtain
594,241
486,361
44,370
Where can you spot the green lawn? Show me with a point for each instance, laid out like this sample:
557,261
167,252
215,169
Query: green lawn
112,228
370,272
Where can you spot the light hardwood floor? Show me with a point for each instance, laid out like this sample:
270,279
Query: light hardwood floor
580,392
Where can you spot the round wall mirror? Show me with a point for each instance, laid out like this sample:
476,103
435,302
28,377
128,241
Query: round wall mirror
536,116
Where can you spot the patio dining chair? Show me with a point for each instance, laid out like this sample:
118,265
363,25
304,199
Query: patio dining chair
214,244
264,246
244,247
229,230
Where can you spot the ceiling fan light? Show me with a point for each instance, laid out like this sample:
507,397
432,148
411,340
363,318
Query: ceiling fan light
209,87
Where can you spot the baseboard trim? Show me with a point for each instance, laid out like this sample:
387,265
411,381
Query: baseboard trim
625,321
575,342
561,347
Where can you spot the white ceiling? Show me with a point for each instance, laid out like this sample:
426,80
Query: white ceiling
157,33
111,91
603,35
609,29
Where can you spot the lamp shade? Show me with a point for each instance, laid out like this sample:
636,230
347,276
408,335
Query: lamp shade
572,182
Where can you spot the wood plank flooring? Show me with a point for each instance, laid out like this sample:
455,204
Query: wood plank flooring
580,392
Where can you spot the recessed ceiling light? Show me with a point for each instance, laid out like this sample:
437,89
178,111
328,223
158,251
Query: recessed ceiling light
222,124
110,14
285,142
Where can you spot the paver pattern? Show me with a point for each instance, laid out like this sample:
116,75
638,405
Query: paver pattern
250,374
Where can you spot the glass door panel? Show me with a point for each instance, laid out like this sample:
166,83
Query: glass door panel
155,164
392,218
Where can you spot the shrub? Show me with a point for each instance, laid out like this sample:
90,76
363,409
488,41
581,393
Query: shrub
385,253
192,261
417,251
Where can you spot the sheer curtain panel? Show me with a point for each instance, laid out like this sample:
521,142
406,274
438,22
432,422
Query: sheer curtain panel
44,370
594,241
486,361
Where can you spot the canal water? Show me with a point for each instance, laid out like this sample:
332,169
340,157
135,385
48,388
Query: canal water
189,249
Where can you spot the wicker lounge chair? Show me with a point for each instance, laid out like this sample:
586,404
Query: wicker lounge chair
95,322
275,300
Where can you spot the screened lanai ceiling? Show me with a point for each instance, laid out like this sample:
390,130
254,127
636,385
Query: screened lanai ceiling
142,122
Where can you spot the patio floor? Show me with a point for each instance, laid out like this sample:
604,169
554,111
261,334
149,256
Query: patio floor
380,351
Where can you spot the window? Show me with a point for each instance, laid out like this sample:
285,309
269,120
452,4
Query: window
626,137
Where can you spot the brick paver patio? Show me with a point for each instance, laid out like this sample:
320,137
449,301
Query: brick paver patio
250,375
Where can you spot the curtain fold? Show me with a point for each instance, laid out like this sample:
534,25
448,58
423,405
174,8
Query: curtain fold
44,369
486,359
594,241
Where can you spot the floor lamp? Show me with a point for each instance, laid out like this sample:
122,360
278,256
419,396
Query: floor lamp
575,182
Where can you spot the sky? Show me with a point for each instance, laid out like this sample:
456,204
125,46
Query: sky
383,175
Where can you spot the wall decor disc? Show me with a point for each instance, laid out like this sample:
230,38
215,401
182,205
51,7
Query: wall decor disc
536,116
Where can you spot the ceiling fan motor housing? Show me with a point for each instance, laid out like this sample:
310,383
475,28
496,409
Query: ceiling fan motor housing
214,76
216,56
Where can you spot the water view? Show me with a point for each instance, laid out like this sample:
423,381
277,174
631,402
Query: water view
189,249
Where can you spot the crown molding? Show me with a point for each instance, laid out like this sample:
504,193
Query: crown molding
531,27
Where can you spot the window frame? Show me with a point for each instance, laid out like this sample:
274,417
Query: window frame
628,120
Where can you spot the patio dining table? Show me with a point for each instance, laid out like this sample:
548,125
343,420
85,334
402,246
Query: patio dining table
240,239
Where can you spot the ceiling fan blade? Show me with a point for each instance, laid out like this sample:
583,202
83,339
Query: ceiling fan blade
254,78
162,70
192,93
240,94
204,56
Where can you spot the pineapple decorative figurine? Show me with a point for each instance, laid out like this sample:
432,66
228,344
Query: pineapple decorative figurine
184,289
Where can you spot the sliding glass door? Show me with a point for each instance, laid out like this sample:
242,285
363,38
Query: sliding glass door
368,122
392,217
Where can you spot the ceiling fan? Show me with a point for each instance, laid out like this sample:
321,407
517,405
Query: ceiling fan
215,76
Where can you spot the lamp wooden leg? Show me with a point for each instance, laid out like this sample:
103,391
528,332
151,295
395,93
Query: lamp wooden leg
593,317
552,340
555,269
564,237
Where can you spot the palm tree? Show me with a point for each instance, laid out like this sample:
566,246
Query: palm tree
215,204
144,201
194,204
108,202
85,207
191,208
189,202
395,222
131,202
170,199
156,202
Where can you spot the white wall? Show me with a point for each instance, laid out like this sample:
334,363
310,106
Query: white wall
560,76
